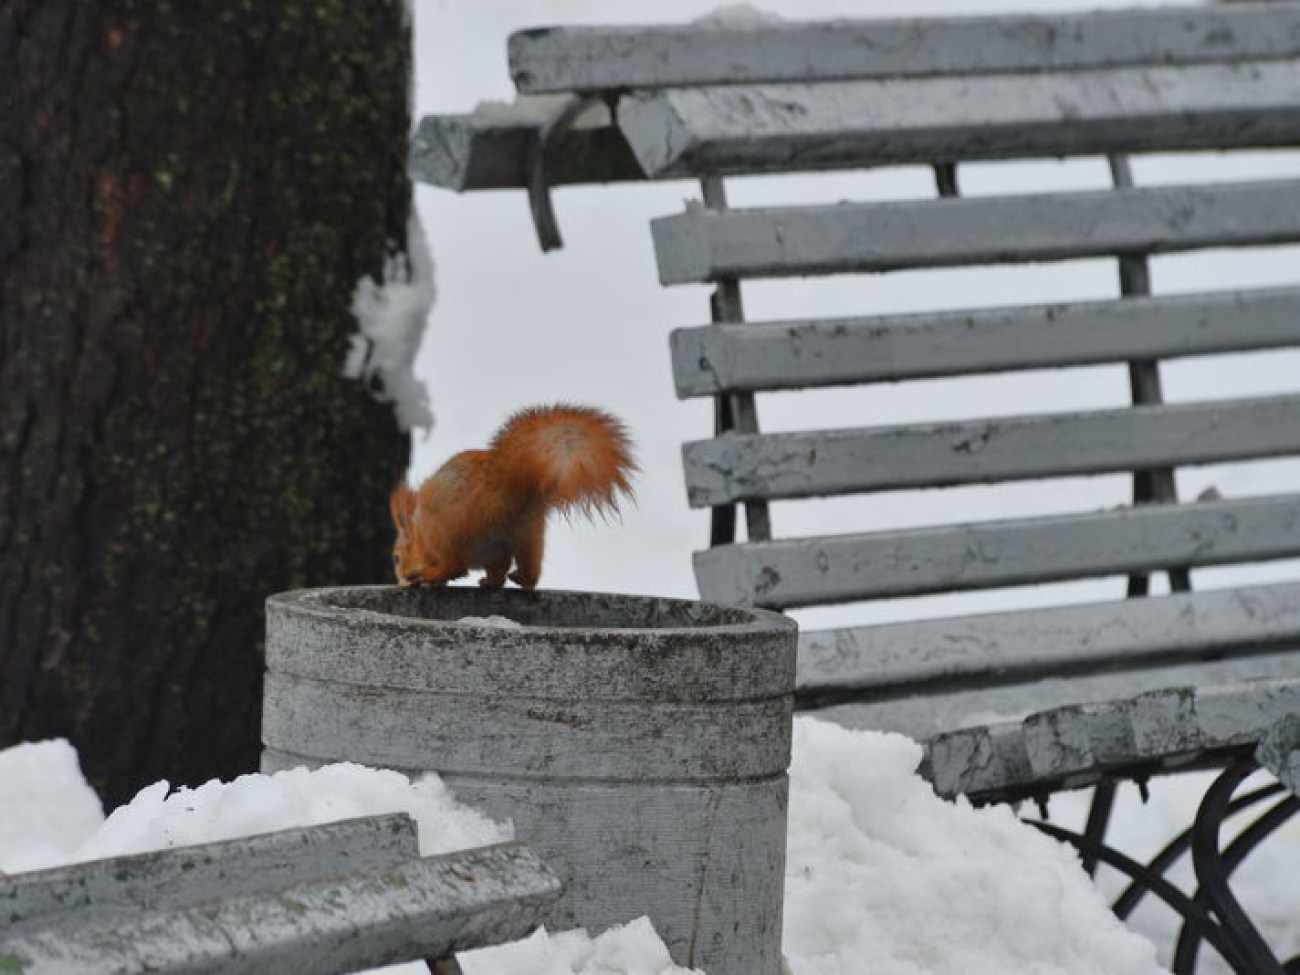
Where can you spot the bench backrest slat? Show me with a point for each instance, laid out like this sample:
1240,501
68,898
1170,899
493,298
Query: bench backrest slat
716,52
714,359
704,245
740,129
842,568
893,660
829,462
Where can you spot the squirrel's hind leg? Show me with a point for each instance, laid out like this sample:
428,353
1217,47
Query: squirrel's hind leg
528,555
495,576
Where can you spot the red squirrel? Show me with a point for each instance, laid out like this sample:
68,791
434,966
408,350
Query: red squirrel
484,509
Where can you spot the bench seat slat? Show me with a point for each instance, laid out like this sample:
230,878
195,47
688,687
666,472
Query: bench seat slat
185,875
424,908
893,660
1279,751
735,129
701,245
1075,745
799,354
840,568
614,58
925,715
821,463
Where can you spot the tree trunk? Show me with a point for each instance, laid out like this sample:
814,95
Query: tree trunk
189,193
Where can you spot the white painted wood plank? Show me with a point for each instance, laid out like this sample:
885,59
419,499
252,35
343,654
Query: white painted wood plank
841,568
421,909
926,713
655,56
820,463
825,352
738,129
183,876
1013,647
701,245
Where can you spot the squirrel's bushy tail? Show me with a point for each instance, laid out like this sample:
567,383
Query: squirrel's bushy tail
577,457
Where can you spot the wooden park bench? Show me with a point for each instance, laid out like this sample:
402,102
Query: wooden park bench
1010,704
332,898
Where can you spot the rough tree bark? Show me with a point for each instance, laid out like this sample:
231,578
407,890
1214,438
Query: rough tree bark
189,192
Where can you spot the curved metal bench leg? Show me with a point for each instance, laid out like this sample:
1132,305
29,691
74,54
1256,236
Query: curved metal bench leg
1193,913
1214,867
1128,900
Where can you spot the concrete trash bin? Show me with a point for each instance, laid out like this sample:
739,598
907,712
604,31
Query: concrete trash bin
639,744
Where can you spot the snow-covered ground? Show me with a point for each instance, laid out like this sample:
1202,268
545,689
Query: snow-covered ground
882,876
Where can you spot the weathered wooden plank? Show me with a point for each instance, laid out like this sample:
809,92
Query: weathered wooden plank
175,878
738,129
819,463
1279,751
420,909
701,245
840,568
897,659
717,52
805,353
926,713
494,146
1075,745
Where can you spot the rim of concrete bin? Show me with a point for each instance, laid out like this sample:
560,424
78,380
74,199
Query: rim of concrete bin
412,637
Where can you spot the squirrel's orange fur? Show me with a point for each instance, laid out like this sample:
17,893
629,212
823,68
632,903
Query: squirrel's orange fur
485,509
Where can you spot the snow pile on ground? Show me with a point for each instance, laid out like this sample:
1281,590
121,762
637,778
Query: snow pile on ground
882,876
157,819
630,949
